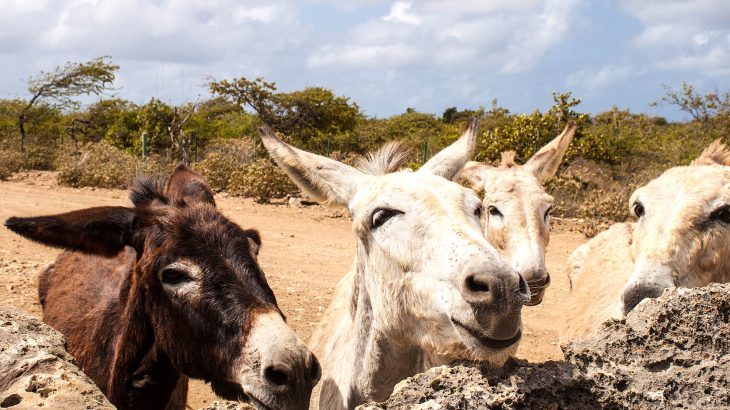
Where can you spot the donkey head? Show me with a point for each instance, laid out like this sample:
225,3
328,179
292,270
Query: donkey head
682,235
196,294
423,267
517,217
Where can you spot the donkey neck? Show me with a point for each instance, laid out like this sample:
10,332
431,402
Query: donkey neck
141,375
370,357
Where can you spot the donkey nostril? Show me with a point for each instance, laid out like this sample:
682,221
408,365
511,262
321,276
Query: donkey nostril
475,285
315,370
276,376
524,288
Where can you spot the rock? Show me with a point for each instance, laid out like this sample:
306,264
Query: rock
471,386
227,405
669,352
36,370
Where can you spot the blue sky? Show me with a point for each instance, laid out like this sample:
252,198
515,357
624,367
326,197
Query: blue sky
385,55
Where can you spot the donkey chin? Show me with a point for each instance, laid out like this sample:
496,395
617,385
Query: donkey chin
275,371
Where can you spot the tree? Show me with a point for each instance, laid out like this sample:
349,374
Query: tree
308,117
178,136
64,83
702,108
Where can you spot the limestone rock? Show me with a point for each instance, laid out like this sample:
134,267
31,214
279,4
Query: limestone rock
36,370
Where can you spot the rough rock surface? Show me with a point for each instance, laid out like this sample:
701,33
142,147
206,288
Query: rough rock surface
227,405
36,370
671,352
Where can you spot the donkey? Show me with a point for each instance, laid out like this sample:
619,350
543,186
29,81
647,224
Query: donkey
426,287
681,238
169,289
517,221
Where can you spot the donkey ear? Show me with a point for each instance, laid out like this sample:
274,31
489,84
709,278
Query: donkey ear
474,173
451,159
715,154
324,178
545,163
104,230
186,185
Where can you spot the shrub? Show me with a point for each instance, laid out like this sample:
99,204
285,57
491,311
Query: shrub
217,170
39,157
262,181
97,165
223,158
10,163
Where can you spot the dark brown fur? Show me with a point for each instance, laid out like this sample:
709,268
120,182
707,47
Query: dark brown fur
125,331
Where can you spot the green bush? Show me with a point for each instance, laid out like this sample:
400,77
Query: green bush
39,157
217,170
10,163
261,181
223,158
97,165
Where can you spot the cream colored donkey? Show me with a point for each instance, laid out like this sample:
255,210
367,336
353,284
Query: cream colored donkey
681,238
517,221
426,288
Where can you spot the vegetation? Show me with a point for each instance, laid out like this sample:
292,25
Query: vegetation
107,143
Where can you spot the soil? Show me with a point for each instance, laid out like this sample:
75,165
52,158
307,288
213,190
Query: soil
305,252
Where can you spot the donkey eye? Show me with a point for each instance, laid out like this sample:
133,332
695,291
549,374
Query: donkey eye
638,209
479,211
548,213
381,216
172,276
493,211
722,214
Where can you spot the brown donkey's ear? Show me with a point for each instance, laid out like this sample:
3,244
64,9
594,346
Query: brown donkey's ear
187,186
104,230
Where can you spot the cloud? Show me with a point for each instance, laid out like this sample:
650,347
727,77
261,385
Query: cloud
509,36
400,13
684,35
605,77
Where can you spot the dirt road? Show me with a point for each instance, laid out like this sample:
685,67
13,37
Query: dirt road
304,254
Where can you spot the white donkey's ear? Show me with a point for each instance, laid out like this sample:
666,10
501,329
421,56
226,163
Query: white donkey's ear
451,159
545,163
324,178
475,174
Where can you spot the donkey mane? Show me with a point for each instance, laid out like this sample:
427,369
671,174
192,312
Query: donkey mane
145,190
508,159
390,158
715,154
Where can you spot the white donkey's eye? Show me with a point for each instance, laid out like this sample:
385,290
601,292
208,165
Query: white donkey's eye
381,216
548,214
722,214
493,211
638,209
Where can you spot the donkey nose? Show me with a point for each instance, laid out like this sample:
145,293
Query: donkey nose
487,288
635,294
287,376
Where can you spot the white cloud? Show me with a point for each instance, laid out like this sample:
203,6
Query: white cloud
607,76
684,35
400,12
507,36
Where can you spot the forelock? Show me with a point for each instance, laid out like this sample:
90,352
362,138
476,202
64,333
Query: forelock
146,190
508,159
390,158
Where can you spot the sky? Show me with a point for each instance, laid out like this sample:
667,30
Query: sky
386,56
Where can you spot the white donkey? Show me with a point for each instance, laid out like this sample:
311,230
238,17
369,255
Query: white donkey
517,221
426,287
681,239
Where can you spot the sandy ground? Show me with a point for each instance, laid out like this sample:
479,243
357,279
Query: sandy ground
305,252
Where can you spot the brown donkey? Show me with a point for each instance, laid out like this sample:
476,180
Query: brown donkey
169,289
